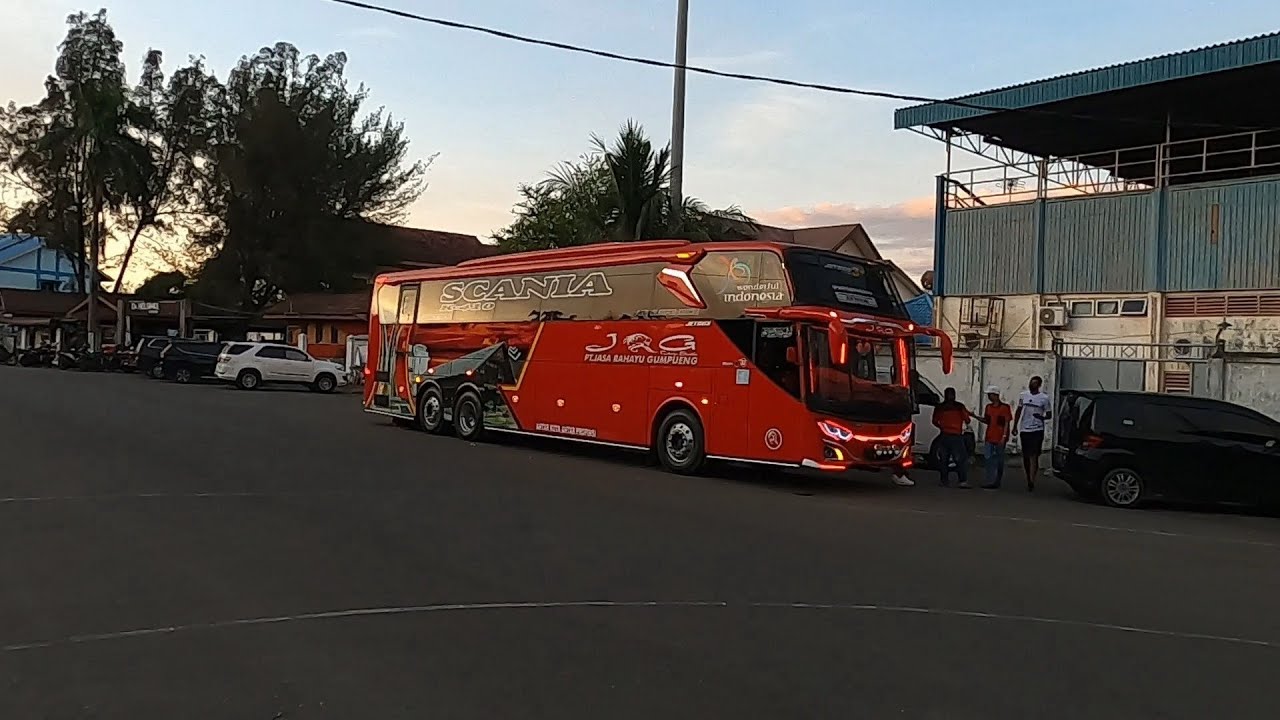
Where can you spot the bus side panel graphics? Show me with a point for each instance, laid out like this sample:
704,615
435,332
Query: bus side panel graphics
606,381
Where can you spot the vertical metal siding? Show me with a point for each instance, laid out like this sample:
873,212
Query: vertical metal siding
990,251
1098,244
1247,254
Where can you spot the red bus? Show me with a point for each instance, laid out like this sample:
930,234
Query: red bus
745,351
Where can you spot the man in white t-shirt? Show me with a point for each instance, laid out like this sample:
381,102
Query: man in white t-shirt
1034,407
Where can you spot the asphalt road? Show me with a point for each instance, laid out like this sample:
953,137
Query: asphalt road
172,552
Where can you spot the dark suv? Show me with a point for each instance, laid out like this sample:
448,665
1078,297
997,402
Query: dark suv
146,355
187,360
1124,448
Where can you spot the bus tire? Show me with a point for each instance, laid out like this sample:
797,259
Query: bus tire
468,417
680,442
431,410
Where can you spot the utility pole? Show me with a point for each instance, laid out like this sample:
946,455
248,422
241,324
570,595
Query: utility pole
677,109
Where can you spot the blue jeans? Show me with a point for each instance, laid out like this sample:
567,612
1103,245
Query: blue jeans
994,455
952,448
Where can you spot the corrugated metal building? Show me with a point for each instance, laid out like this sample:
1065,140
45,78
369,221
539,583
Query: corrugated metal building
1134,205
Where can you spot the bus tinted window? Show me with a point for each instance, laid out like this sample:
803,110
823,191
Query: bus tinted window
842,282
731,282
388,302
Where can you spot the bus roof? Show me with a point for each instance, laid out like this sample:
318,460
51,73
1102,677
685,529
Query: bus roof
594,255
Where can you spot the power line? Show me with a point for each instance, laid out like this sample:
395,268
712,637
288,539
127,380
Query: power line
785,82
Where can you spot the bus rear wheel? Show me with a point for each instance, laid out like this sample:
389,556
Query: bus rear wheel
468,417
680,442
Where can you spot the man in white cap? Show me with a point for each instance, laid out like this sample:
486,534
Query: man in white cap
998,417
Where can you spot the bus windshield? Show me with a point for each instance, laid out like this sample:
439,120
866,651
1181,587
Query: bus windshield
868,388
842,282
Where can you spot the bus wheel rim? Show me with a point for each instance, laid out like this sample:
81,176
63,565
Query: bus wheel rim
431,410
466,418
679,442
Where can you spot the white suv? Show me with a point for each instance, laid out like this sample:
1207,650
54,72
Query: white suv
249,365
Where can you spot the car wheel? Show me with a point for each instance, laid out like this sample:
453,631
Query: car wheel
431,410
248,380
1122,488
325,383
157,372
468,417
680,442
182,375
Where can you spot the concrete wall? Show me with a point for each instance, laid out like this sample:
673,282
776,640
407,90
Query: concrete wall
1021,329
1246,334
1253,382
974,371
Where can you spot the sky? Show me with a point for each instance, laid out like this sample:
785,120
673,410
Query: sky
501,113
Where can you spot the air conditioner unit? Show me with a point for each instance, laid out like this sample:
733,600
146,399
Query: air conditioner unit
1053,316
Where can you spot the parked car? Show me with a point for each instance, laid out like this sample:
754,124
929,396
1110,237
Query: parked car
249,365
146,355
187,360
925,447
1125,448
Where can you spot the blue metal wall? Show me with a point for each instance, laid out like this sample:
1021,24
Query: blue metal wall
1160,240
991,247
1245,254
1097,244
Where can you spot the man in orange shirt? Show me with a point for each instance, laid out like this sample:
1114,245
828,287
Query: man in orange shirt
998,417
949,416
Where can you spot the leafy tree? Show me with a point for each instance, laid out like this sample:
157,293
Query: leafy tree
73,152
177,123
163,286
617,192
298,162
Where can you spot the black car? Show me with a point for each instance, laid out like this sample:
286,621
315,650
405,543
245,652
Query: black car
187,360
1125,448
146,355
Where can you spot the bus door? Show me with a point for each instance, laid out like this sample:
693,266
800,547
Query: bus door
776,395
393,361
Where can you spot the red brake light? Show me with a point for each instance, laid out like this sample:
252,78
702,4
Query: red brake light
1091,441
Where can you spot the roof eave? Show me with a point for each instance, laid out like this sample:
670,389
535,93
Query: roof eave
1222,57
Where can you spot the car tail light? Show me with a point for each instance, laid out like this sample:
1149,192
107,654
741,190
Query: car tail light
1091,441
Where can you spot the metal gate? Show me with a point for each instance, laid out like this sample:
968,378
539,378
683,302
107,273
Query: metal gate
1178,368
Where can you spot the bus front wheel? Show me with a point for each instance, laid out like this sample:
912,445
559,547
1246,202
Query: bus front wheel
680,444
468,417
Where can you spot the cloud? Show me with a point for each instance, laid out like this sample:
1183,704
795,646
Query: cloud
903,231
771,116
733,62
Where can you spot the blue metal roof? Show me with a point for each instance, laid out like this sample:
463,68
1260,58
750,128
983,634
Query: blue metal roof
1232,55
14,246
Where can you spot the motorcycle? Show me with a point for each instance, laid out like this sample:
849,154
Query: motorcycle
39,356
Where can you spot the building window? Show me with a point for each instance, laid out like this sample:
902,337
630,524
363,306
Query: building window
1135,307
1081,308
333,334
319,333
1108,308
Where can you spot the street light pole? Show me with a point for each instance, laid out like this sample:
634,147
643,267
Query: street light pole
677,109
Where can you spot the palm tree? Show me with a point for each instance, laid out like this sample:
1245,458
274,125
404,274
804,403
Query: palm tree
621,192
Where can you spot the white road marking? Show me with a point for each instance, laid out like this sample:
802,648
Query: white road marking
459,607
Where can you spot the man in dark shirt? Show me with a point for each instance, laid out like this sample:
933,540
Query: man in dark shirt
949,417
